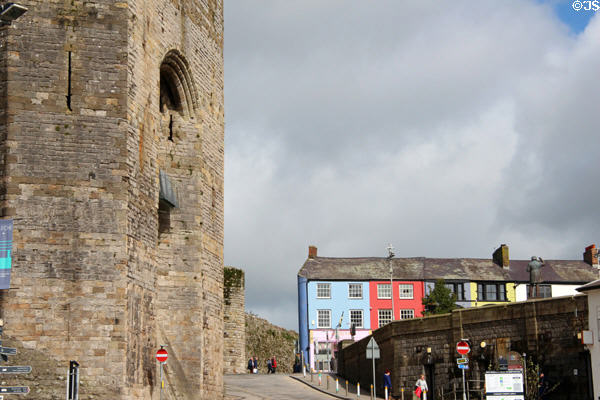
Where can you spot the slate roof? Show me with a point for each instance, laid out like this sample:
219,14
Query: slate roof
592,285
423,268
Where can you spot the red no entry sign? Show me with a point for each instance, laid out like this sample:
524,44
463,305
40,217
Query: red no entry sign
463,347
162,355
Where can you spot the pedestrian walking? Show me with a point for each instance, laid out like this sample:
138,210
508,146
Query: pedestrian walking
250,365
273,364
542,387
387,382
269,366
255,365
421,387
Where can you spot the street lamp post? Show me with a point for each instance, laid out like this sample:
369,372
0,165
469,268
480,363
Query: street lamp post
390,249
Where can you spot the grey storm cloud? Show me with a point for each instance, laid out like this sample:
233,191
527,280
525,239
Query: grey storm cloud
443,128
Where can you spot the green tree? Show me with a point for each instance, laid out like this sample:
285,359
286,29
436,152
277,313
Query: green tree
533,381
441,300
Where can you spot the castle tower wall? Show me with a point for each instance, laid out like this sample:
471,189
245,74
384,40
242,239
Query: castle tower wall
64,186
103,272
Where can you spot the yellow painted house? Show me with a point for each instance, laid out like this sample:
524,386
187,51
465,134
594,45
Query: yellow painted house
481,293
481,281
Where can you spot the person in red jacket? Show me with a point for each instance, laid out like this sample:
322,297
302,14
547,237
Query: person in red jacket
273,364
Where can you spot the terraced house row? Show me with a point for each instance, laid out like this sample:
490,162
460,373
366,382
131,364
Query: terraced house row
335,293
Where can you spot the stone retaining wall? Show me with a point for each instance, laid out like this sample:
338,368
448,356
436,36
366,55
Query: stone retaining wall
545,330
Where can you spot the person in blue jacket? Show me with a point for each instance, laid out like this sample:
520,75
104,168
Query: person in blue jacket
387,382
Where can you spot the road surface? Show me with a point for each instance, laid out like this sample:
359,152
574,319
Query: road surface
276,387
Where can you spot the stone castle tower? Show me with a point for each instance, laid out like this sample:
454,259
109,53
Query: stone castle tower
234,321
112,143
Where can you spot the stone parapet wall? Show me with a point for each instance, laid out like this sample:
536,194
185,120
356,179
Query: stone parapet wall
546,330
234,329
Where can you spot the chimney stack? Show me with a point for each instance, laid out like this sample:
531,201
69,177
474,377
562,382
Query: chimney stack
591,255
500,256
312,251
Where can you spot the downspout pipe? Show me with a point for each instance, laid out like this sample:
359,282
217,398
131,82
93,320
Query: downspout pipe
303,317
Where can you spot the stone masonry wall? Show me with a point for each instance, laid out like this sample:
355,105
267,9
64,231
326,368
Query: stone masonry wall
546,330
265,340
234,330
96,277
177,262
64,188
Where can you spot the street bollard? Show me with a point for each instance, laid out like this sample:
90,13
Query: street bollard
327,379
424,394
337,385
386,393
358,389
304,370
371,391
346,387
402,392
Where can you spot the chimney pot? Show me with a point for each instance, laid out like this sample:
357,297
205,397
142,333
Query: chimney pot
500,256
590,255
312,251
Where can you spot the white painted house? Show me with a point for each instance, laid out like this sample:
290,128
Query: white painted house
592,290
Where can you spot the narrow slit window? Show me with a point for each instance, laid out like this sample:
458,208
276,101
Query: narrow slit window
69,84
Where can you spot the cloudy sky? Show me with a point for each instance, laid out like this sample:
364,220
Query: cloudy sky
444,128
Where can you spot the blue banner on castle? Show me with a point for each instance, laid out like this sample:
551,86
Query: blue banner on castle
6,236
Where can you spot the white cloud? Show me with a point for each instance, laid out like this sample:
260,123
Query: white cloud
444,130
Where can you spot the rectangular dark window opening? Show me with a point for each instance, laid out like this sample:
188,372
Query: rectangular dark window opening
164,217
458,289
544,291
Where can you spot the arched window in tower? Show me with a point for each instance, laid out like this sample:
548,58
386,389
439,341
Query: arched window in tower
178,97
177,104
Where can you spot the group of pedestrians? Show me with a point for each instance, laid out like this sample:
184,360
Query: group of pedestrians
420,385
253,365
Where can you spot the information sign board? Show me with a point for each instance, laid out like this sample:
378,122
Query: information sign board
8,350
504,382
463,366
6,237
14,389
16,369
505,397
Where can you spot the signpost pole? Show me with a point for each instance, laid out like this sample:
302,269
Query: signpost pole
161,357
463,348
464,388
525,372
373,352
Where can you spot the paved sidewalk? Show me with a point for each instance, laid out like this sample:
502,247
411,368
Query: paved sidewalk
341,393
269,387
